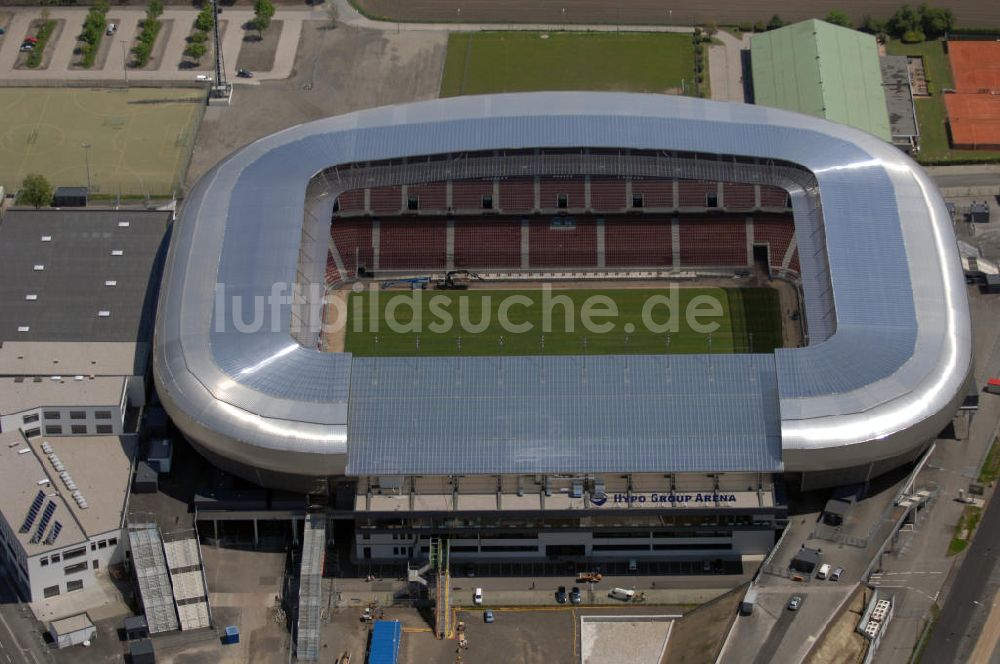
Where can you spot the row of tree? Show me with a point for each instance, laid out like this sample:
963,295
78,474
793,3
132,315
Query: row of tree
151,25
908,24
93,30
198,41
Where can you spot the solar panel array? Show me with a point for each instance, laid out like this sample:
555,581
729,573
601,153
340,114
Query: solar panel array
50,509
36,505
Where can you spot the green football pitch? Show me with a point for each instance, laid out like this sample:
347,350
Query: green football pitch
139,139
563,322
489,62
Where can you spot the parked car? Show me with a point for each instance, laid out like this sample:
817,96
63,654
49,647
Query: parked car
203,77
706,566
477,597
244,73
633,566
470,570
561,595
574,596
824,571
112,28
794,603
3,30
488,616
623,594
30,39
27,47
836,574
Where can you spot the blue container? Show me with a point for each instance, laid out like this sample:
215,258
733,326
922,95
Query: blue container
385,642
231,636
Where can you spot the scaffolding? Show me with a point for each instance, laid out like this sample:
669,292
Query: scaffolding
187,575
311,588
440,553
154,580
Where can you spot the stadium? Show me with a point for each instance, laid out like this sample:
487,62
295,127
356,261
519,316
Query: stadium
843,346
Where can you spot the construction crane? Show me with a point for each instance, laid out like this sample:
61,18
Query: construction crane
449,283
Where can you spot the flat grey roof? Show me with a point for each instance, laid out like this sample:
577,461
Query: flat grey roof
20,394
898,95
55,289
880,377
73,358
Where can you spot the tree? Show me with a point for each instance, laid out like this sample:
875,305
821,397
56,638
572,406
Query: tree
906,19
759,26
36,190
264,8
205,20
260,24
871,25
263,11
838,17
775,23
936,21
155,9
198,37
196,51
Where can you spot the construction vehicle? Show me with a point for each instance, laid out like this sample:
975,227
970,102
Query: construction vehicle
415,283
449,282
589,577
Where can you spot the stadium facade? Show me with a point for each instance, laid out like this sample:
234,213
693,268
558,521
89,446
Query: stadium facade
551,454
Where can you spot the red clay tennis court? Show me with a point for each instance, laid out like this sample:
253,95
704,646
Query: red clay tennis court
974,108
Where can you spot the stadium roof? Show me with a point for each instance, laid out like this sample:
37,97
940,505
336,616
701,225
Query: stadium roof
884,371
824,70
80,275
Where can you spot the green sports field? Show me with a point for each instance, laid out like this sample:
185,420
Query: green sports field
536,322
140,139
489,62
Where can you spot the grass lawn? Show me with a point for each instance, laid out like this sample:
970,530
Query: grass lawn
476,329
140,139
488,62
990,471
965,529
932,116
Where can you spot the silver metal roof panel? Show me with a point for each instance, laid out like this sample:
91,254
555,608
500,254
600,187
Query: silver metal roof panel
887,362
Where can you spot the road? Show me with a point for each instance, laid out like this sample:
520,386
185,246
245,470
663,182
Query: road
985,175
777,635
971,596
19,641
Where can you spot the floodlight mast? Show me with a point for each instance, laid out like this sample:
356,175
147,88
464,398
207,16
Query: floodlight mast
221,87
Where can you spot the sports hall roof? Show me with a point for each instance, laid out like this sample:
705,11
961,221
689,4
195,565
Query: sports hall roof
885,301
60,269
824,70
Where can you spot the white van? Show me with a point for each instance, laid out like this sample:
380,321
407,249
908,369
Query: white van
824,571
477,597
623,594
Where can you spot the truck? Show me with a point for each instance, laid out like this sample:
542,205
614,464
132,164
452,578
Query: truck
589,577
749,600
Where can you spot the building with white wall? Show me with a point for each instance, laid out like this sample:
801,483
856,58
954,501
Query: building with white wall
63,502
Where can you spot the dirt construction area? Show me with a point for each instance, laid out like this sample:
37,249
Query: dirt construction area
336,71
970,13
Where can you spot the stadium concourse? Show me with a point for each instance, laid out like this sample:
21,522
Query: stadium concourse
580,455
